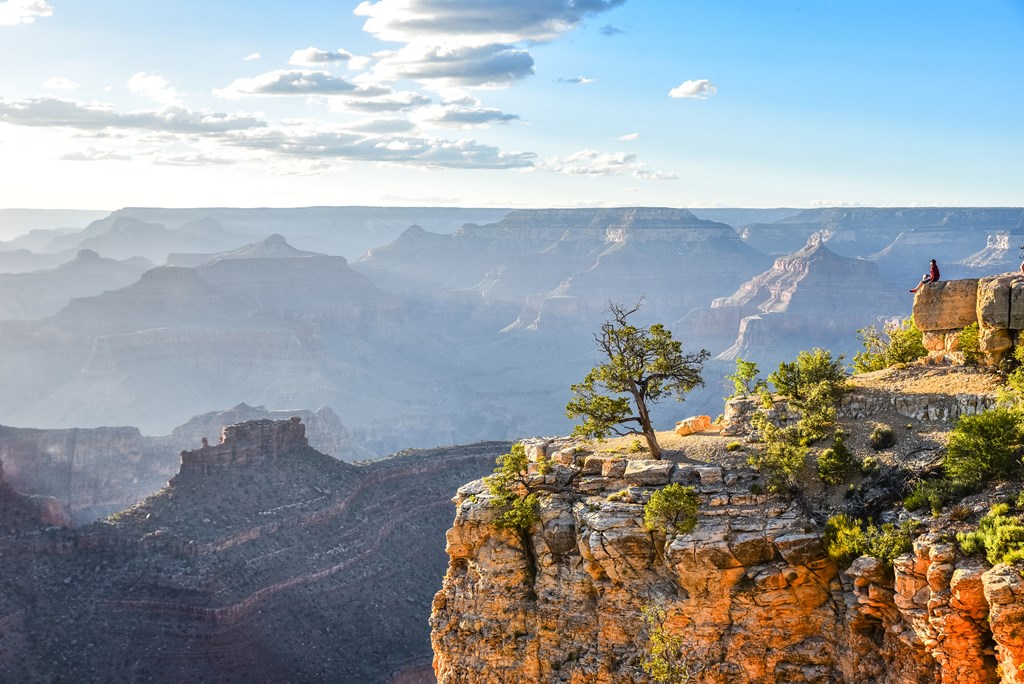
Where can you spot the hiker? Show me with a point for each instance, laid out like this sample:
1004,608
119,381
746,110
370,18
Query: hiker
932,276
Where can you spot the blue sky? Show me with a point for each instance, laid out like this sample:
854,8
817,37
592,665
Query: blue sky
108,103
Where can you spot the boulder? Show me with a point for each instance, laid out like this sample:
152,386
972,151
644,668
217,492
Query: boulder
693,424
946,305
648,472
1000,302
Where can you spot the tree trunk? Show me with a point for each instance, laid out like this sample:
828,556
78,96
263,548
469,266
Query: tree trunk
645,425
652,443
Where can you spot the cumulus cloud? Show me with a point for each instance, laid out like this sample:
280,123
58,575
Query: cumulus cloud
339,144
48,111
466,116
312,56
699,89
252,57
60,83
477,22
23,11
578,80
295,82
92,154
594,163
381,125
457,65
403,100
153,87
629,137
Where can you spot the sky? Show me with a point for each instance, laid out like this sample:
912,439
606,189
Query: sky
511,103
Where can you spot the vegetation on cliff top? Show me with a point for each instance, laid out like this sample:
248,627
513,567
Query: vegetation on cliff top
641,363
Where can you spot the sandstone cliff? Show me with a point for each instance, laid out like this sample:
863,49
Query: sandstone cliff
750,592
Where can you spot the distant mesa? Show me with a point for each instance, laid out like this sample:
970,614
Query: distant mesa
245,443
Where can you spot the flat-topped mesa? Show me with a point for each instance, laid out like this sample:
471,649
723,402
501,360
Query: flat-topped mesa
995,303
253,440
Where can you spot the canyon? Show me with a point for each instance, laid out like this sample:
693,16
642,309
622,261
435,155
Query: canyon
261,559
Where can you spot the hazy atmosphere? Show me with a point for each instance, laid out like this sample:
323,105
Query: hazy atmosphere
501,341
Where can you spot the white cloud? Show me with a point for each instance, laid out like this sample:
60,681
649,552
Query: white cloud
450,66
578,80
153,87
629,137
464,115
60,83
594,163
48,111
295,82
477,22
312,56
23,11
402,100
252,57
92,154
311,142
699,89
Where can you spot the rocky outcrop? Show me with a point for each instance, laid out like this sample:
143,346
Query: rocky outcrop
995,303
749,588
946,305
245,443
750,594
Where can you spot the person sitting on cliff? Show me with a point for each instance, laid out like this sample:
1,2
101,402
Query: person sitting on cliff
932,276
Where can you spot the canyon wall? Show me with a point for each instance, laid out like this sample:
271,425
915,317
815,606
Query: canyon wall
750,593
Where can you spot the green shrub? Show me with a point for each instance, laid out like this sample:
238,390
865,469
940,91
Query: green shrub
969,344
999,535
846,538
781,462
518,508
620,495
900,345
933,495
985,446
811,368
733,446
837,463
745,381
636,446
672,509
882,437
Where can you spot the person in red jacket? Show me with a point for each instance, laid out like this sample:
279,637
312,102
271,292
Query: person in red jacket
932,276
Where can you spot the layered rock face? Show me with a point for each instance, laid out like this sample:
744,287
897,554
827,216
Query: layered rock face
751,591
89,472
813,297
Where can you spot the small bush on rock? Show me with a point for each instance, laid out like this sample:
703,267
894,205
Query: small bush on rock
882,437
846,538
985,446
837,463
999,536
672,509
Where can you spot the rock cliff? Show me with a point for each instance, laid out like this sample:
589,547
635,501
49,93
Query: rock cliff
750,595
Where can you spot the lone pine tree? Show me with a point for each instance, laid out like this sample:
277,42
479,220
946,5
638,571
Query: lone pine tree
642,364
